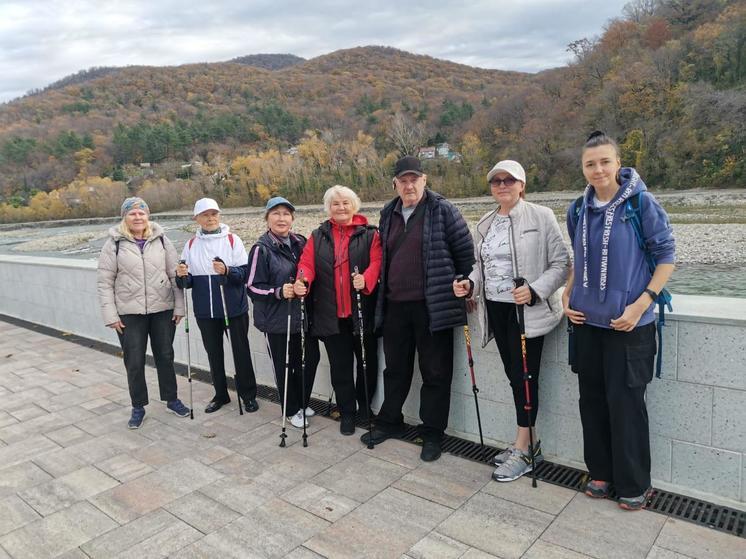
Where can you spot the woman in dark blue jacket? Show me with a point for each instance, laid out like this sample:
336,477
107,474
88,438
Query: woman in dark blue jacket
272,264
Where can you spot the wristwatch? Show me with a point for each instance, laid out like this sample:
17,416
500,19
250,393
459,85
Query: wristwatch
653,294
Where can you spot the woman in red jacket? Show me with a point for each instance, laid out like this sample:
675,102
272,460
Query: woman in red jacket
326,272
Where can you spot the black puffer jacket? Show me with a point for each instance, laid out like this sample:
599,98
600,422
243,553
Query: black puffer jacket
271,264
447,251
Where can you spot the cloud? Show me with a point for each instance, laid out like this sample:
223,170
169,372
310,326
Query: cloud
44,40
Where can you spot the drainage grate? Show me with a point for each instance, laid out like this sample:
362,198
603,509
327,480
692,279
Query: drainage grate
717,517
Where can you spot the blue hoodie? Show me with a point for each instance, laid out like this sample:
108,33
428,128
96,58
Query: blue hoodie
606,280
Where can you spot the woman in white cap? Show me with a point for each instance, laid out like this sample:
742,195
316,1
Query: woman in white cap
214,266
139,299
521,260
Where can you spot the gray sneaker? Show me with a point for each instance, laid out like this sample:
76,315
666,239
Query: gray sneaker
515,466
503,456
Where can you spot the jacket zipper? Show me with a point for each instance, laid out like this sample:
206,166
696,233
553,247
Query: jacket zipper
144,278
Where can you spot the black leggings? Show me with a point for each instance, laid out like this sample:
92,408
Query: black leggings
504,324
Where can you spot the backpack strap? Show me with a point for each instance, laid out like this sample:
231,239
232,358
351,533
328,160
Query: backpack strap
230,239
577,208
633,214
191,242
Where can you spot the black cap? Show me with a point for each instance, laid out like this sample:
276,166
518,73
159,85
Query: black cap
408,164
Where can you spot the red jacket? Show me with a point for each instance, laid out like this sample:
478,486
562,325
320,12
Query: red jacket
342,273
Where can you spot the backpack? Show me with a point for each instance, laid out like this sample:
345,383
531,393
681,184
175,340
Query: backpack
633,215
116,245
230,240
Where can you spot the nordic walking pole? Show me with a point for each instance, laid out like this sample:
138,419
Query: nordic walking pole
189,351
526,377
303,361
228,333
474,389
365,364
283,436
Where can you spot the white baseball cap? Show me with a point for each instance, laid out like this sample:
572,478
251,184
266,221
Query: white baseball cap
513,168
204,204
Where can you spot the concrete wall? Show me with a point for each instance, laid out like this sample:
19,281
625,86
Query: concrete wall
697,410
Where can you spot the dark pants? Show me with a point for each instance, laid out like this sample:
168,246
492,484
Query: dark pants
406,328
614,369
341,348
276,344
504,323
134,341
212,330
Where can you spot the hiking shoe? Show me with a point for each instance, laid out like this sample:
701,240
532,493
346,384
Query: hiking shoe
177,408
378,435
517,464
597,489
430,451
505,454
297,420
137,418
347,425
310,412
635,503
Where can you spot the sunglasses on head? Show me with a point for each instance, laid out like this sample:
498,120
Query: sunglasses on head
507,181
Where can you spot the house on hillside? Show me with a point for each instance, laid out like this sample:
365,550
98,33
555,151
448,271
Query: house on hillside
426,153
441,151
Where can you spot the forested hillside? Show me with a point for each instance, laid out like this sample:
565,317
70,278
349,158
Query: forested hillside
666,79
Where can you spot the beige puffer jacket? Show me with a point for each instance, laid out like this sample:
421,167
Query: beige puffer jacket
539,255
132,282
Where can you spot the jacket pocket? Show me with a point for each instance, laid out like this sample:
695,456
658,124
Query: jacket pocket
640,360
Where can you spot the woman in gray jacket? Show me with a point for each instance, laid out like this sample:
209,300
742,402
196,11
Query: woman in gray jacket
139,299
518,240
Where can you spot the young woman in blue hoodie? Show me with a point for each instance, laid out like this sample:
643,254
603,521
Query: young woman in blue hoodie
609,299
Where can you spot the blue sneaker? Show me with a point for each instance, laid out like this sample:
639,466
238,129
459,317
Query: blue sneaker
137,418
177,408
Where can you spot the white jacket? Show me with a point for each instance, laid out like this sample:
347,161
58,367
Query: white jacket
539,255
134,282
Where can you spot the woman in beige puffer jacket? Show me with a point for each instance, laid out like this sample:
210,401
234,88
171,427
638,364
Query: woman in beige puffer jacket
139,299
518,240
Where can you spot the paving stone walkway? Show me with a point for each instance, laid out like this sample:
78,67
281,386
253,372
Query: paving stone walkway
76,483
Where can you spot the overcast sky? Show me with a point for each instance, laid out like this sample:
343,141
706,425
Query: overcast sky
42,41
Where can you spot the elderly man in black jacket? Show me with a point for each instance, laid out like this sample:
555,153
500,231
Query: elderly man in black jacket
426,244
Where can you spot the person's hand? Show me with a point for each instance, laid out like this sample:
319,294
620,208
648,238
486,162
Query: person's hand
177,318
288,291
300,288
461,288
576,317
182,270
471,304
629,319
118,326
219,267
522,295
358,281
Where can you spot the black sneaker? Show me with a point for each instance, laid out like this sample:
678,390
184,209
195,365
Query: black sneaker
347,425
378,435
215,405
430,451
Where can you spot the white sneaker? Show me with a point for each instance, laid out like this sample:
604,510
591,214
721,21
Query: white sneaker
310,412
297,420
